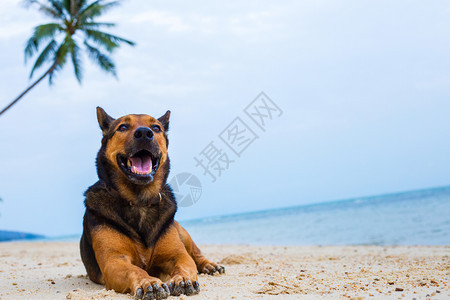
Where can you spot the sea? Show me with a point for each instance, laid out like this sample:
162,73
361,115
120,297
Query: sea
410,218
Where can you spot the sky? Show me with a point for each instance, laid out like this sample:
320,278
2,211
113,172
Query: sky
362,89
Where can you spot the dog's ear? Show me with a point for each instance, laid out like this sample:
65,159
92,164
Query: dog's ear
165,120
104,120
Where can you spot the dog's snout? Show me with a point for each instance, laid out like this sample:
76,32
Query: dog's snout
143,133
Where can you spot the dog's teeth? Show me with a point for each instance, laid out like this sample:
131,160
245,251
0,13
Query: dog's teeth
129,163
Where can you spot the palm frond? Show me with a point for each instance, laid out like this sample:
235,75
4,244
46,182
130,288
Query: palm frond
63,50
40,34
92,25
76,60
57,6
73,16
106,40
72,7
43,57
51,11
66,5
60,58
31,47
97,8
105,63
46,30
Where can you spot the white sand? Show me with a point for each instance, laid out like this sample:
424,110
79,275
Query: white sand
53,270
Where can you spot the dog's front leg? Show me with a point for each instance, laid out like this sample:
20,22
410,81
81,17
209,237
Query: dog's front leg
121,265
171,257
203,264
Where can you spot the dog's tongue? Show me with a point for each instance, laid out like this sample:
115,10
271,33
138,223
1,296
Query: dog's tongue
141,164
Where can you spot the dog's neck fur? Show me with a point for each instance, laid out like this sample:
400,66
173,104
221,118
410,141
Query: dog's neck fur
143,223
143,217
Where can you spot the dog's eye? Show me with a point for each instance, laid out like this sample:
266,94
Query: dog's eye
122,127
156,128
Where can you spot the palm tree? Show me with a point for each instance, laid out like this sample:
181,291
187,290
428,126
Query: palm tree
74,22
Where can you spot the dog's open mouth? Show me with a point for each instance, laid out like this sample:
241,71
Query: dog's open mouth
140,164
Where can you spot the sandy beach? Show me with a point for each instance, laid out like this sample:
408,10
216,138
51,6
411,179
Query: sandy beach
53,270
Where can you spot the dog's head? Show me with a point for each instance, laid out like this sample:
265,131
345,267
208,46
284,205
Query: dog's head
134,149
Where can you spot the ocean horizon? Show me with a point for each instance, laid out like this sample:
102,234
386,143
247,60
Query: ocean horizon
419,217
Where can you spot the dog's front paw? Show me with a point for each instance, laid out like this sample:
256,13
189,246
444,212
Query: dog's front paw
212,268
179,285
152,291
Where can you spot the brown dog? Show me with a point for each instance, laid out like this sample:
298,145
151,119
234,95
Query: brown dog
130,240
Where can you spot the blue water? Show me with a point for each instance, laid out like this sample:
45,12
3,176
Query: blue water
16,235
411,218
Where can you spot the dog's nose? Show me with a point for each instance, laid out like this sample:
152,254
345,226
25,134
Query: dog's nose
143,133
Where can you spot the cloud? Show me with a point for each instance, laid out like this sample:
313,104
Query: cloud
253,23
236,23
172,22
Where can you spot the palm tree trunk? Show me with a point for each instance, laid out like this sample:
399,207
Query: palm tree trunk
29,88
